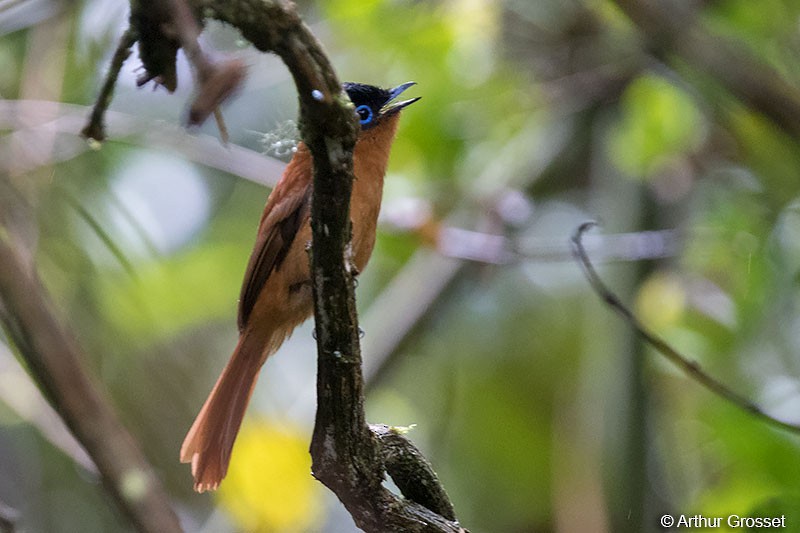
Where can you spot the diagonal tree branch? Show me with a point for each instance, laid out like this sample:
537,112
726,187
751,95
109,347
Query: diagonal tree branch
689,367
53,358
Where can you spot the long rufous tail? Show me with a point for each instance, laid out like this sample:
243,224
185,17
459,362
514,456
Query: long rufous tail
209,442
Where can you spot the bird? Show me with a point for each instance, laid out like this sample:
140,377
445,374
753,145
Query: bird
276,292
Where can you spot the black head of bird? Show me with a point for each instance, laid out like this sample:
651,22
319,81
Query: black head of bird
374,104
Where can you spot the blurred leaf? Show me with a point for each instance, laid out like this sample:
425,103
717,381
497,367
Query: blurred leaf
729,243
165,297
658,122
772,155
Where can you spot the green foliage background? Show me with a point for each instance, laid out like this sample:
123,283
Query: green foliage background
536,405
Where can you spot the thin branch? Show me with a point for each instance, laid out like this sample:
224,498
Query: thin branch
95,128
37,117
493,249
690,368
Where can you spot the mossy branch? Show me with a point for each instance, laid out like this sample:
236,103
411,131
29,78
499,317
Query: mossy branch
347,456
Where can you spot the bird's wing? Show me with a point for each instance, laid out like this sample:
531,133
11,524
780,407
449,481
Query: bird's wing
286,210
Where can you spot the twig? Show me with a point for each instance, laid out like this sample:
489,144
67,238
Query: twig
95,128
691,368
493,249
39,115
153,29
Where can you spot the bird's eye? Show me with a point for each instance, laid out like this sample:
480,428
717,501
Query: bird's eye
364,113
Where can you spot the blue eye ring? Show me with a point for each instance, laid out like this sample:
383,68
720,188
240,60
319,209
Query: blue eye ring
364,113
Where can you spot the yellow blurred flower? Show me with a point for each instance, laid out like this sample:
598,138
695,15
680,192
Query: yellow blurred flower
269,487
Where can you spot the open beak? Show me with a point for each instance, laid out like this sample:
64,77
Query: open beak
390,108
